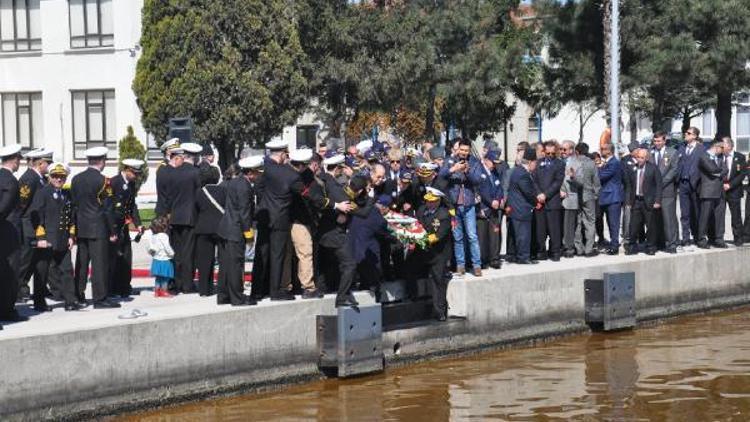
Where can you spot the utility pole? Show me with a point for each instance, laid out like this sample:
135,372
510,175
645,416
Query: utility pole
614,74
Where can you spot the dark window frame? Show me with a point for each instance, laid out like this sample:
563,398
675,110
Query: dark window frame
16,40
307,130
18,122
87,107
86,34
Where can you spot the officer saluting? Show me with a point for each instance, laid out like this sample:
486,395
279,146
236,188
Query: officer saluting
126,214
10,159
34,178
52,218
235,230
91,194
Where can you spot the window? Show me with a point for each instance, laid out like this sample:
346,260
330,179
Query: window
93,120
306,136
743,129
91,23
22,119
709,124
534,128
20,25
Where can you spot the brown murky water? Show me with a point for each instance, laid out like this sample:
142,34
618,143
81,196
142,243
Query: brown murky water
690,369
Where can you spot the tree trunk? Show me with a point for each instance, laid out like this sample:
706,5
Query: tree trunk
723,113
606,32
581,123
685,119
429,129
226,154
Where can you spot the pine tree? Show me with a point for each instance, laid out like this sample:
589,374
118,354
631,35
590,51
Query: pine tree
130,147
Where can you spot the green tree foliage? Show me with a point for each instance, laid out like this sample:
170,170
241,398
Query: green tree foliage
679,57
234,66
130,147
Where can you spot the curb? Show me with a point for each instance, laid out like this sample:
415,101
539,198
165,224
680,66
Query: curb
146,273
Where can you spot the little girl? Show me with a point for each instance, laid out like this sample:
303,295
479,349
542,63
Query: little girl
162,253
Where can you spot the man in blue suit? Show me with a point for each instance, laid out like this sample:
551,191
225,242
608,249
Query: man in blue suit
611,195
689,155
522,199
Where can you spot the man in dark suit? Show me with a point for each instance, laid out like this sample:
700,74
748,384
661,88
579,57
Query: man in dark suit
209,207
126,214
711,194
235,230
10,160
522,199
611,195
488,214
735,164
91,194
367,235
644,199
668,162
33,179
182,182
549,177
690,177
280,184
52,219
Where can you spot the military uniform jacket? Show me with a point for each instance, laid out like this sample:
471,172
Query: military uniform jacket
237,222
51,215
332,227
162,200
437,224
91,194
125,207
182,183
420,189
280,184
28,185
208,215
306,207
490,189
8,204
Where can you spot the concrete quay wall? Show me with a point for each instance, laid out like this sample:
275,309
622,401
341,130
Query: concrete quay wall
98,370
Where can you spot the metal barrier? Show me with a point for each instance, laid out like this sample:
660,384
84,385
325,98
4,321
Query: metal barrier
610,302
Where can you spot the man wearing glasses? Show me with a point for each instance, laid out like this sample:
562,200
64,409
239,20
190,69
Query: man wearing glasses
689,156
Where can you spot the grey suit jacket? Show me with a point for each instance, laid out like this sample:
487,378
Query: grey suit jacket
669,167
584,186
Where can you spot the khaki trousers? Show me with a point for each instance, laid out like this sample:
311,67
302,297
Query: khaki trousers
303,247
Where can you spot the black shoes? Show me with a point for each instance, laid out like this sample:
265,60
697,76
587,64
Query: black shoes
703,245
106,304
554,258
73,307
527,262
720,245
246,301
13,316
282,296
593,253
348,300
441,317
650,252
613,251
41,307
312,294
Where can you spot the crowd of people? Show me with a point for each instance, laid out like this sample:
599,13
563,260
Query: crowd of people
315,219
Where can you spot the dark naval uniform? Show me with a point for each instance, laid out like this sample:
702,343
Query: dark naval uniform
10,243
52,217
91,194
29,183
488,218
235,230
163,203
366,235
281,183
121,253
210,202
437,224
334,251
182,183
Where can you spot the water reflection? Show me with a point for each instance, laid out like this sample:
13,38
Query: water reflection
690,369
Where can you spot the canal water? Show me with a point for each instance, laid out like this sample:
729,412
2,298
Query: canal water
687,369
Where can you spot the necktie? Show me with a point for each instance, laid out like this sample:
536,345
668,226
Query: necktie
658,157
689,150
640,181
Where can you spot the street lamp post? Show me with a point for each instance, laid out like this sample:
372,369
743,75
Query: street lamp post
614,83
